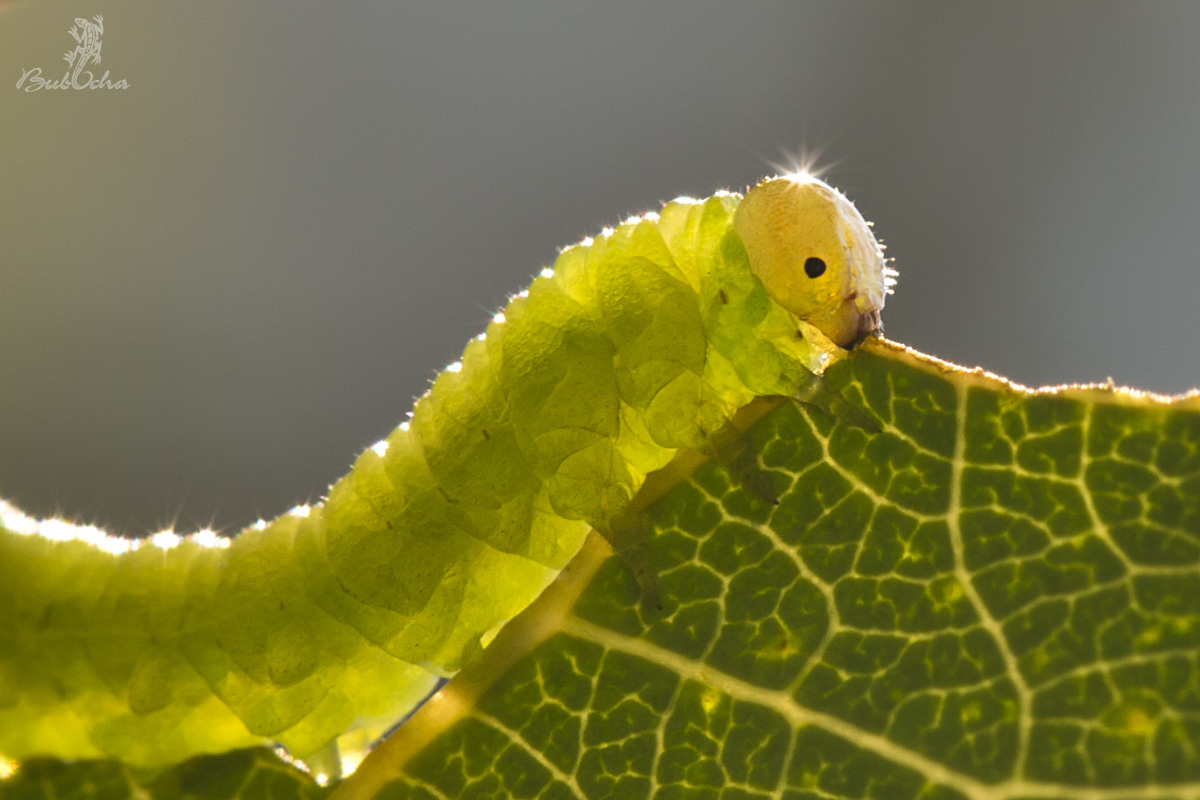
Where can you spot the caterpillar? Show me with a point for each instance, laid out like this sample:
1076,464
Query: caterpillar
329,623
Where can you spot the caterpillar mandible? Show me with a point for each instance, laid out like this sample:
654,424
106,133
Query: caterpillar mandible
335,620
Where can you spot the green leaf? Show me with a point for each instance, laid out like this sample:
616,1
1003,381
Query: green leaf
997,596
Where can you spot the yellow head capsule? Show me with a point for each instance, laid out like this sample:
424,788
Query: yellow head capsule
815,254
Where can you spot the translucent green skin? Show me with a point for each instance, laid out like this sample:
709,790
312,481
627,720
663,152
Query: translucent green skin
645,341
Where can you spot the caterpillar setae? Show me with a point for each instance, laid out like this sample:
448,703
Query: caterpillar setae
335,620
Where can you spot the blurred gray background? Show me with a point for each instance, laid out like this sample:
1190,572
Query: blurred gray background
219,285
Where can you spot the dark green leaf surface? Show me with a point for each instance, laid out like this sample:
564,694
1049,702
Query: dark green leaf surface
996,597
257,774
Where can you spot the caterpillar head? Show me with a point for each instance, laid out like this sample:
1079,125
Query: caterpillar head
815,254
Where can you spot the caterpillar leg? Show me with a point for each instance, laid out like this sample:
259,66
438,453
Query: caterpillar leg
816,392
732,448
327,761
629,535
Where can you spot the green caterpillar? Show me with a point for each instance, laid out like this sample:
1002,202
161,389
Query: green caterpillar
331,622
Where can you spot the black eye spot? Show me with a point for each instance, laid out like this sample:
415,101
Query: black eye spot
814,267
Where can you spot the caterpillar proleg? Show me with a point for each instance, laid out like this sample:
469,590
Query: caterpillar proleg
336,619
